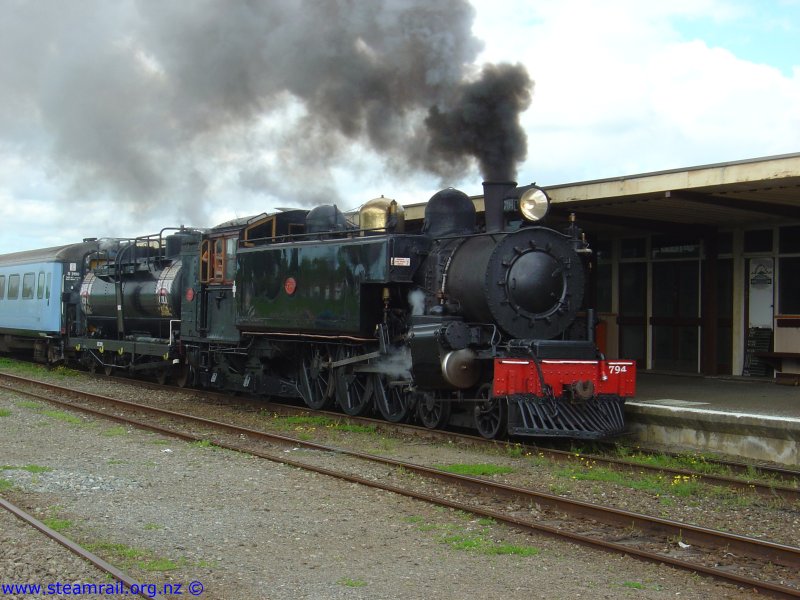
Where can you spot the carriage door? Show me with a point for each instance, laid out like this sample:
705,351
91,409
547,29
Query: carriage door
219,270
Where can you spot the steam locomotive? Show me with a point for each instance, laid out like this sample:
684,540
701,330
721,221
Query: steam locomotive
450,324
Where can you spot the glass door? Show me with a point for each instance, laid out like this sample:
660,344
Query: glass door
632,317
676,315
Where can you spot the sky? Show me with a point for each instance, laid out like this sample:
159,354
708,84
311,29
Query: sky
119,119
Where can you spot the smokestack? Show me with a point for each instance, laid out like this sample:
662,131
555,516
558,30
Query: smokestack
494,193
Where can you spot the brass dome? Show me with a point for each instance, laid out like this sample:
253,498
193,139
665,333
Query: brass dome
378,215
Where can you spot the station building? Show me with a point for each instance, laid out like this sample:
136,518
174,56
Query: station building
694,270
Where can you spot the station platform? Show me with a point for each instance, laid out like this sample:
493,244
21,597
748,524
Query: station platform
739,416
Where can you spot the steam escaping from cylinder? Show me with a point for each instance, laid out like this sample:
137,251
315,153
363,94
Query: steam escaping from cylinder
416,300
396,365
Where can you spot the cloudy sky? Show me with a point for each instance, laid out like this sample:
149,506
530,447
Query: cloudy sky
120,118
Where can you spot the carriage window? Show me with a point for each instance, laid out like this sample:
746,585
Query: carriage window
47,289
13,287
40,286
28,285
2,286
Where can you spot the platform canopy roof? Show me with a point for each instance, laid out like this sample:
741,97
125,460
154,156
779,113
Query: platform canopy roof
723,195
758,191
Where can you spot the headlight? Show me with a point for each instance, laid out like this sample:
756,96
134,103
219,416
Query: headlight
534,204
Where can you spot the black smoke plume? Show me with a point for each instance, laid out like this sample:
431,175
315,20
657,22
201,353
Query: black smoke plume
150,102
484,122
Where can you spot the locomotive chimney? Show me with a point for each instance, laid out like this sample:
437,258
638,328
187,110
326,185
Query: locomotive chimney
494,193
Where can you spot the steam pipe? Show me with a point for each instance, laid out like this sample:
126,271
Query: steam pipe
494,193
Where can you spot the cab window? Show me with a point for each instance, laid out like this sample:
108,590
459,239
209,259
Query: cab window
218,272
230,259
2,286
218,260
28,285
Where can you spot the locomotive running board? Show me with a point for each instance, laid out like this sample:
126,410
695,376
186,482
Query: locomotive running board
541,417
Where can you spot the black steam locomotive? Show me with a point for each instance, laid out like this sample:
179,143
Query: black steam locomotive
450,324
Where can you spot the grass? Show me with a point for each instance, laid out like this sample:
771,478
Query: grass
26,368
29,404
476,470
28,468
203,444
314,422
129,556
480,544
695,461
158,564
114,431
4,412
461,537
637,585
383,445
60,415
5,484
57,524
353,583
665,487
9,364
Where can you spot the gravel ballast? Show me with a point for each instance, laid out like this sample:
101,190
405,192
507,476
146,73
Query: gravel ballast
169,511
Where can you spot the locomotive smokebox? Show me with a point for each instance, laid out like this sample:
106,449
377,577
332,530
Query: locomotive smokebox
494,195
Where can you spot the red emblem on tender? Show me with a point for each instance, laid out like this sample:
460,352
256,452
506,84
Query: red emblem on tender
189,295
290,285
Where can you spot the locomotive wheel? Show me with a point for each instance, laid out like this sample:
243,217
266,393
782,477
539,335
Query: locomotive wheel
433,413
315,381
353,392
162,375
183,376
353,389
92,366
394,403
491,414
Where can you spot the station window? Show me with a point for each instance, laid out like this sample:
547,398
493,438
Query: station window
2,286
604,285
634,248
602,249
789,285
28,285
13,287
675,246
725,243
789,239
40,286
758,240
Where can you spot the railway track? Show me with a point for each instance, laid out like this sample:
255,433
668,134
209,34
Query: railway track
784,482
766,567
769,481
130,584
